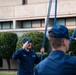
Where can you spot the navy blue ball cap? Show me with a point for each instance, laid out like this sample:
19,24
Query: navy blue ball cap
59,31
26,39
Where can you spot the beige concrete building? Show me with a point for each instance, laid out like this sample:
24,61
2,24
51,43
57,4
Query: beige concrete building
20,16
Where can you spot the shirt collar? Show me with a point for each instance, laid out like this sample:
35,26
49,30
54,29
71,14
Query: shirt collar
57,52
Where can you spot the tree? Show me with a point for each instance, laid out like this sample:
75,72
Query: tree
37,38
7,45
72,47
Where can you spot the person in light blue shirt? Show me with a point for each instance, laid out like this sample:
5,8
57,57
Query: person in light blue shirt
58,63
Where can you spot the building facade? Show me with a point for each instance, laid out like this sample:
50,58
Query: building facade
20,16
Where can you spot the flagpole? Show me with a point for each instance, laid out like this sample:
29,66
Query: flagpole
46,25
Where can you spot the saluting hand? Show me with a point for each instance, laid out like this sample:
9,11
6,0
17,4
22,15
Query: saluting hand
25,45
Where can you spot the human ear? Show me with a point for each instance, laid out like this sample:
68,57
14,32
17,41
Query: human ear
63,42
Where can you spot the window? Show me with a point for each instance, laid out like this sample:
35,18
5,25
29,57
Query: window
36,24
0,26
61,21
27,24
1,62
51,22
24,2
19,24
30,23
70,22
6,25
42,23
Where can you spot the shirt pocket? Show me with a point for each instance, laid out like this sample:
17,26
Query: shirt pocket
33,57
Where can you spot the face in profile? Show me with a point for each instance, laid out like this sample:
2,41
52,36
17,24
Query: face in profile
29,45
67,42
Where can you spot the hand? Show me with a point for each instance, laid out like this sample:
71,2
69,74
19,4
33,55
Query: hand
25,45
42,50
75,38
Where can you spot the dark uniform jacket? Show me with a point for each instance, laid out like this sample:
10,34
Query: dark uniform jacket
57,63
26,61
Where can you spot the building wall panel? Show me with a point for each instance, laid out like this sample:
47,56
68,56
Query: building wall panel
65,9
10,2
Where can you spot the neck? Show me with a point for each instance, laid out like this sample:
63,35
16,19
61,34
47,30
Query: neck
60,48
27,49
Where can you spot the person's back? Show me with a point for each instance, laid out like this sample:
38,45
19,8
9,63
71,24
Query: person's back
58,63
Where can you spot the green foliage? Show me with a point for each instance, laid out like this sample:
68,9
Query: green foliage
37,38
73,43
7,74
7,44
71,31
44,55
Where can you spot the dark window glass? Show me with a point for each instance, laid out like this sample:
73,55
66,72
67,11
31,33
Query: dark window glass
6,25
1,62
24,2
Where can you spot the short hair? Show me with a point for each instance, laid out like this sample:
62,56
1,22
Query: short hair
55,41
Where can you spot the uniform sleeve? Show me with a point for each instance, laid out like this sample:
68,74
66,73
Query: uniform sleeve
16,55
37,59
